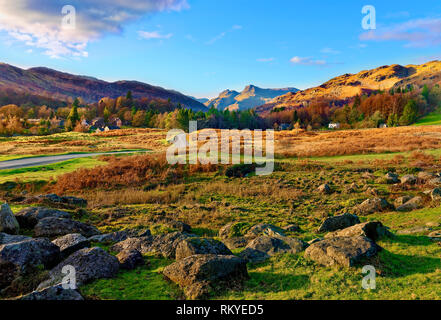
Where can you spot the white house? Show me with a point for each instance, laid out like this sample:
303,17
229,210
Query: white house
333,125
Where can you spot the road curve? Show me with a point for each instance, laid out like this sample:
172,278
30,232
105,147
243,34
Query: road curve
41,161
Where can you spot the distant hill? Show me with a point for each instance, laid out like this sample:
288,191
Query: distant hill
64,86
249,98
349,85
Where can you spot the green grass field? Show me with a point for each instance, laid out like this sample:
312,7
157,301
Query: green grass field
432,119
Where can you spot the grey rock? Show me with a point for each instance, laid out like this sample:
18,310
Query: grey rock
20,257
338,222
235,242
53,293
412,204
373,230
409,179
191,246
261,248
435,194
119,236
324,189
55,227
371,206
263,229
207,269
70,243
8,222
7,238
90,264
130,259
435,236
344,251
391,178
29,217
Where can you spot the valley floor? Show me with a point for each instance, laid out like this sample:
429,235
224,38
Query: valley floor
408,267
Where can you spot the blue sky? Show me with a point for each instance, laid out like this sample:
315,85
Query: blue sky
202,47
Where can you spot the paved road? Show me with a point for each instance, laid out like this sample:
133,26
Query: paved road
41,161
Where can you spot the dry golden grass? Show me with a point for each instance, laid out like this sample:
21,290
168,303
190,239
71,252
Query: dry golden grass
128,139
315,144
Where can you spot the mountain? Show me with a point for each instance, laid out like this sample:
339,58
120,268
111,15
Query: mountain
201,100
349,85
64,86
249,98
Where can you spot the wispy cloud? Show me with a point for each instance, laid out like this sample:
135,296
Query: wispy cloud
307,61
154,35
38,25
329,51
223,34
414,33
265,60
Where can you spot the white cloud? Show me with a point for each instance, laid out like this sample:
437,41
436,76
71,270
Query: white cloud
415,33
39,24
154,35
307,61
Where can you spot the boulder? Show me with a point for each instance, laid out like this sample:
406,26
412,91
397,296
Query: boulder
179,226
338,222
412,204
142,244
343,251
372,230
71,243
29,217
324,189
119,236
235,242
424,175
166,244
8,222
263,229
262,248
207,270
225,231
371,206
90,264
409,179
55,227
53,293
402,200
192,246
162,244
56,199
20,257
292,228
391,178
435,194
7,238
130,259
434,181
435,236
351,188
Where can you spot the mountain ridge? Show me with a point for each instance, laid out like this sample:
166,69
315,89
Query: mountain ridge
348,85
65,86
249,98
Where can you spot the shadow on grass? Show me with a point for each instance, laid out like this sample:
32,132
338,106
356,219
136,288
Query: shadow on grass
411,240
398,265
269,282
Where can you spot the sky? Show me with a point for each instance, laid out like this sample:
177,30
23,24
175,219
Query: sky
202,47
